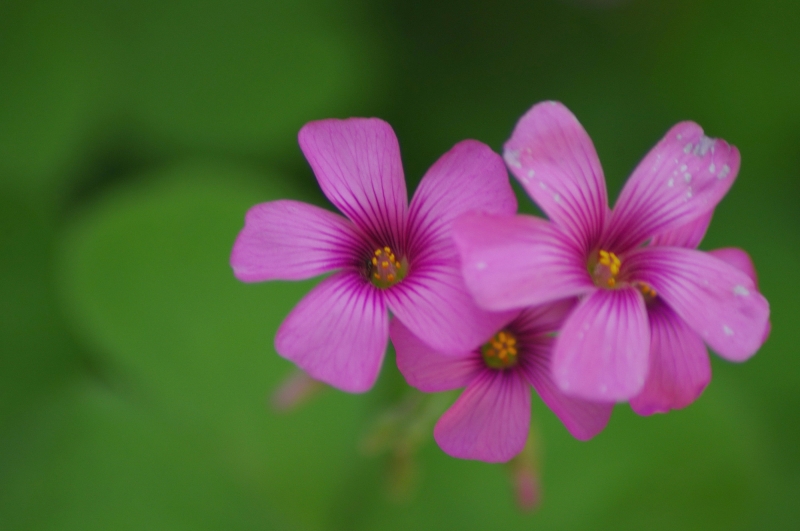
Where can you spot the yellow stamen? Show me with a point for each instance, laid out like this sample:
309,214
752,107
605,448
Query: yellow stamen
606,269
647,290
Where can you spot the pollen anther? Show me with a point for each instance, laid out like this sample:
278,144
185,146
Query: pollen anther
611,261
605,269
647,290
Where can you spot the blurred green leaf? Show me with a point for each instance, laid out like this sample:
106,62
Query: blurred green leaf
88,460
145,278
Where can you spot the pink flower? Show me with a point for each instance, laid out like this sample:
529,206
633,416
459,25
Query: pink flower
587,250
385,255
491,418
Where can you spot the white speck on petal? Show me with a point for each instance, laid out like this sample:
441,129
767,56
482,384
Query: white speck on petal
542,185
683,168
689,193
512,158
531,173
712,168
741,290
727,329
687,177
703,146
557,199
724,171
480,265
679,137
687,148
671,182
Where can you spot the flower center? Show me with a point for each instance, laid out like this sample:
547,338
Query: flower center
501,351
385,270
605,269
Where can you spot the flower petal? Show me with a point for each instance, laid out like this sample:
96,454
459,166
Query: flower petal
429,370
555,160
337,333
582,418
738,259
290,240
741,261
682,178
357,163
433,302
489,421
469,177
718,301
545,318
679,365
689,235
602,350
518,261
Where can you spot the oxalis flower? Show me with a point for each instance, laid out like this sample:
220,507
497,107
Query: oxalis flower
491,418
384,256
603,351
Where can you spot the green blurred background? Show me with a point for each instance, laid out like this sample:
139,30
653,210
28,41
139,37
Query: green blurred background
135,372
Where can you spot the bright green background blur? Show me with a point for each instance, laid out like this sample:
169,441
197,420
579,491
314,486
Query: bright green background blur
135,371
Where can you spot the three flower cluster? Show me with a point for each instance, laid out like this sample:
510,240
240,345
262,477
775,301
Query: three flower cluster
593,307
